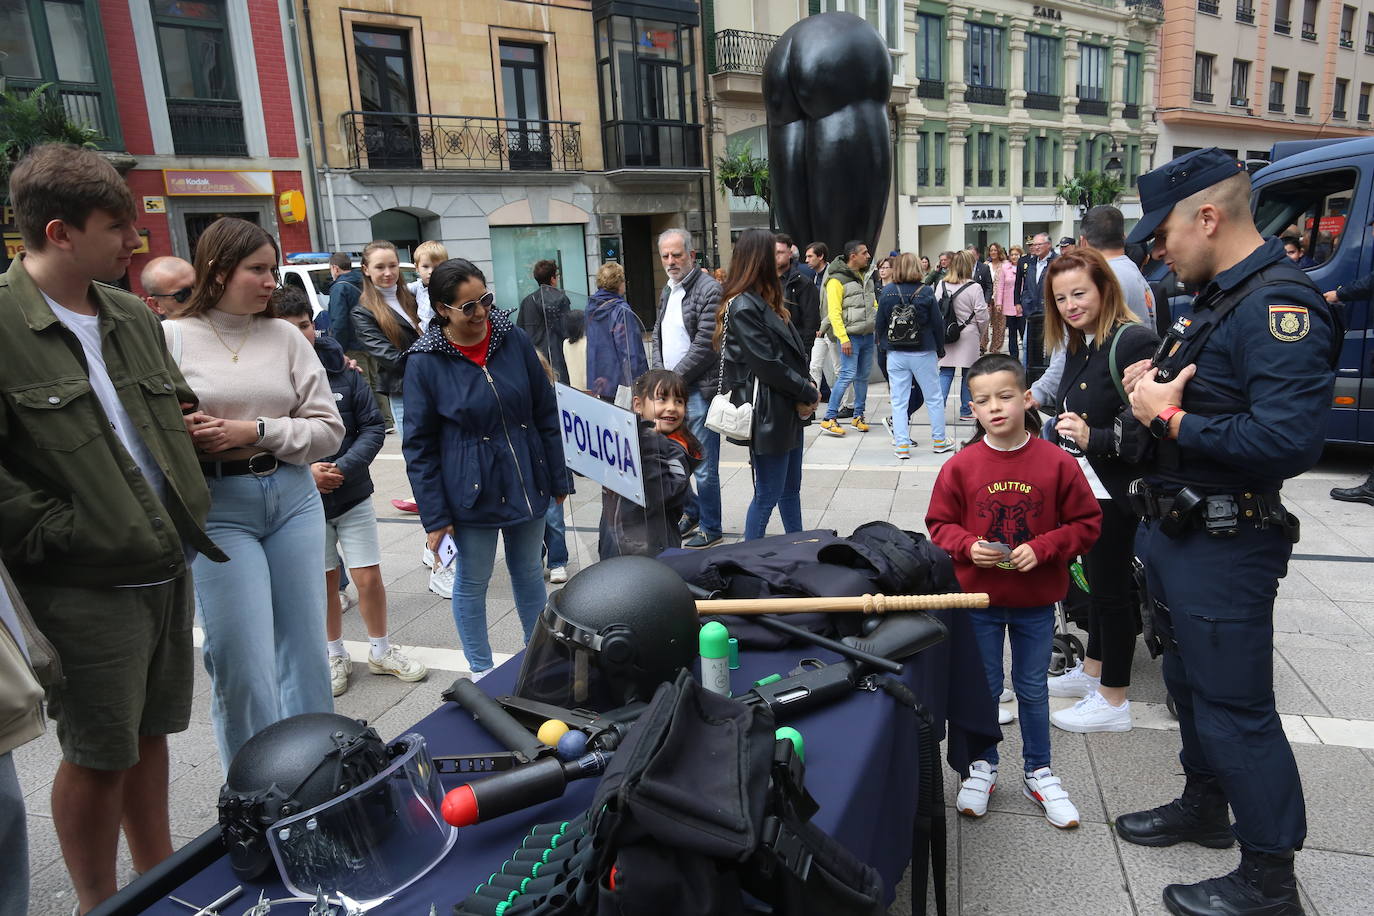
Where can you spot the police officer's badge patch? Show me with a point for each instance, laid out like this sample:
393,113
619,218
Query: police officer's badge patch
1289,322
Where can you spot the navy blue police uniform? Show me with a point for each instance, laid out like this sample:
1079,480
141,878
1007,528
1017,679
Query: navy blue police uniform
1216,539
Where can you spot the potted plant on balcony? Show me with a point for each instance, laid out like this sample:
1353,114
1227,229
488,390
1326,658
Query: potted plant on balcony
30,118
741,173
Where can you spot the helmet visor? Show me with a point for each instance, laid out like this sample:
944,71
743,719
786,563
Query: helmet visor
560,666
372,841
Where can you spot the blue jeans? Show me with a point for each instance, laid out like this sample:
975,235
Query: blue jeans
777,482
704,504
924,366
398,414
1032,636
263,611
14,840
1016,329
854,370
476,561
555,535
947,382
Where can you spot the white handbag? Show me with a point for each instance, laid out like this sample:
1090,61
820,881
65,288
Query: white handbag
730,420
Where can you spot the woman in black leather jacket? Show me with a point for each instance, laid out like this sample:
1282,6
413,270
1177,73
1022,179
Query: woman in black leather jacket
1084,299
764,360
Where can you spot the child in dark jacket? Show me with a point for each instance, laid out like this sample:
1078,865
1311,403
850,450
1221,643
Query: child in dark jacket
668,453
345,487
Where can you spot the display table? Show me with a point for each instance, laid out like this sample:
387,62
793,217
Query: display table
861,767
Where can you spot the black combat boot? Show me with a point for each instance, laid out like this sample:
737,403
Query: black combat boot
1198,817
1364,493
1263,885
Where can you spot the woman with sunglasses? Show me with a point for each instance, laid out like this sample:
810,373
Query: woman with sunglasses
265,413
482,448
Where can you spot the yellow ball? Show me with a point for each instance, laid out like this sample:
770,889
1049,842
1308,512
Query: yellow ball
551,731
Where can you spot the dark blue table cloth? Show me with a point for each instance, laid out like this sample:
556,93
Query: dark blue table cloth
861,767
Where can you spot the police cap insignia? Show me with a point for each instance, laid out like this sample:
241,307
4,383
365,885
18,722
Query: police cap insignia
1289,322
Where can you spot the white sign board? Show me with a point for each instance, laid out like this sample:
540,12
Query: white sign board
601,442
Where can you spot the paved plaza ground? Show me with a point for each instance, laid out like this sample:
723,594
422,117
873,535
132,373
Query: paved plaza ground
1011,861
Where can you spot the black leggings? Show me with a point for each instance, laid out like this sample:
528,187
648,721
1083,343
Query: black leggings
1111,624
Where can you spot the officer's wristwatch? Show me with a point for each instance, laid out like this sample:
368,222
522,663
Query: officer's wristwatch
1159,426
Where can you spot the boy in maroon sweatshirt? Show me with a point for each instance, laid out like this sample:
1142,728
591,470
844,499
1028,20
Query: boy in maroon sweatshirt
1012,510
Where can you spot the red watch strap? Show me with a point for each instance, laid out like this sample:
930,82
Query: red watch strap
1167,413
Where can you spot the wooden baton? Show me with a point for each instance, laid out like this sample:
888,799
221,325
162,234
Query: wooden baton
868,604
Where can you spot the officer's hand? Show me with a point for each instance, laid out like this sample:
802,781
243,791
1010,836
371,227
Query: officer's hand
1024,559
1071,426
847,348
1331,296
1150,396
1133,374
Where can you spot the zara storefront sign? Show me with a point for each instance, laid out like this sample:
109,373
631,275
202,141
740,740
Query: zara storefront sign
985,214
601,441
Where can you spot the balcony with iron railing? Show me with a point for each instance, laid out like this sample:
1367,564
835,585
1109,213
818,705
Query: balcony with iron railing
1090,101
1042,101
985,95
923,174
930,89
407,140
1338,114
85,106
1283,26
1362,114
1369,42
1200,96
1302,110
1210,7
738,51
207,127
651,145
1245,12
1240,101
1131,111
1276,107
1347,39
1309,31
1154,9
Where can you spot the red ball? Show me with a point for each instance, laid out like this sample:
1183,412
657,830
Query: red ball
460,807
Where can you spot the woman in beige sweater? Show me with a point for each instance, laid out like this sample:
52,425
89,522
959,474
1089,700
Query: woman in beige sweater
265,413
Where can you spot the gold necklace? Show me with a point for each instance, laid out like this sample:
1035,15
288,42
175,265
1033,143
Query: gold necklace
233,351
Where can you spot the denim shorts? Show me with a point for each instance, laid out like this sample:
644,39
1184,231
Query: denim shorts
354,534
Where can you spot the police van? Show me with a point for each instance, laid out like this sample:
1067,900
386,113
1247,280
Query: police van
1322,193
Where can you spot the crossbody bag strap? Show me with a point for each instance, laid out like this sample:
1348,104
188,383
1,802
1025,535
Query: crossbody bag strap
1111,363
724,330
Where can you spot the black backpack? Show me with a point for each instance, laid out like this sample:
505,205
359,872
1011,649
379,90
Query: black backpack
907,321
953,326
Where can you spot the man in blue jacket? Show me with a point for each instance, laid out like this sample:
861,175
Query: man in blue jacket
1030,292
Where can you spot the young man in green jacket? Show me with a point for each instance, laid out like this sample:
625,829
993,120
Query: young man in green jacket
102,501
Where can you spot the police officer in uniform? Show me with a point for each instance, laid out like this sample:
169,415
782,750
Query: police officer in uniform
1237,396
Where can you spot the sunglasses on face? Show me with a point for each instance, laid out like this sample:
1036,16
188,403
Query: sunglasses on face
180,296
486,301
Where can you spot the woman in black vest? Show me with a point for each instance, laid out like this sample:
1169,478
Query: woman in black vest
1084,306
764,361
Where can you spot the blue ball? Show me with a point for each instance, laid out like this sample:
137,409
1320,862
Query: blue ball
572,745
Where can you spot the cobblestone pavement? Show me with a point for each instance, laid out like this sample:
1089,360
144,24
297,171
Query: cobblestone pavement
1011,861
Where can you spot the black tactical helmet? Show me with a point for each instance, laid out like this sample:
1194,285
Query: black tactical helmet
615,632
289,767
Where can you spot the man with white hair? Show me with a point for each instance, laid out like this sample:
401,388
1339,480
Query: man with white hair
167,283
683,331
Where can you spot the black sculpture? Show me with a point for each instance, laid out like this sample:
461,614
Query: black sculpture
825,90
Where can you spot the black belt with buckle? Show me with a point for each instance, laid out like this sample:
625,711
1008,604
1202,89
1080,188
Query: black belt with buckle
263,464
1219,514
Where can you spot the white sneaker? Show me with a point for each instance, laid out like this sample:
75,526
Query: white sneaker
887,421
1045,789
397,664
974,792
1073,683
426,558
339,668
1007,695
1005,715
441,582
1093,714
478,675
346,601
558,575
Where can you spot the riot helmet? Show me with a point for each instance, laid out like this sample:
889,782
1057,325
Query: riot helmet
611,636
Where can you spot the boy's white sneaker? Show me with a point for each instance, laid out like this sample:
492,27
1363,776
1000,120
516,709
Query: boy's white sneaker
1007,695
1005,715
441,582
1093,714
339,669
1045,789
558,575
1074,683
974,791
426,557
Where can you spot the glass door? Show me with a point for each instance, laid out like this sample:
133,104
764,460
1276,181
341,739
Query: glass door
522,86
386,86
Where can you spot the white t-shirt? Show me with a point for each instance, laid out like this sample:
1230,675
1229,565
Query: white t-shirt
87,330
422,306
676,341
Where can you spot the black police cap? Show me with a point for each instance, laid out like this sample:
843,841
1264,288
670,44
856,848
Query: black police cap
1176,180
